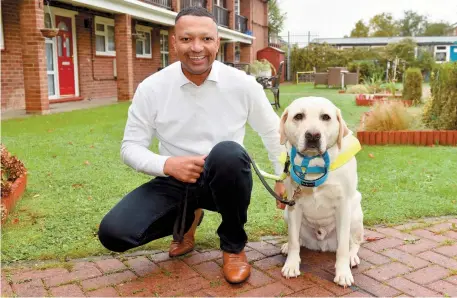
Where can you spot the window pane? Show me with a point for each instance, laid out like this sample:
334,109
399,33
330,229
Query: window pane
139,47
111,45
147,45
49,57
59,46
164,60
67,46
100,43
100,27
51,87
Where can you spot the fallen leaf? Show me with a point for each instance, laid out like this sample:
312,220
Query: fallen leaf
36,196
54,156
16,220
50,130
77,185
92,146
453,201
371,239
86,162
89,198
71,143
371,155
91,130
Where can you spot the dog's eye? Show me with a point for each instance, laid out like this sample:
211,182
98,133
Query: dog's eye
325,117
299,117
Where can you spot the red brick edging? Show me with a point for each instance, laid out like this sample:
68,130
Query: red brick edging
409,137
363,100
17,189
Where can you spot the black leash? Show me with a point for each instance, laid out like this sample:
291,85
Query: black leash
264,182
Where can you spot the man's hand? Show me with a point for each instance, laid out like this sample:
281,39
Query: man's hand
280,190
185,168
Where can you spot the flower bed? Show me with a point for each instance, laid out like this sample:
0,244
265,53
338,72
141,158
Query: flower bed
369,100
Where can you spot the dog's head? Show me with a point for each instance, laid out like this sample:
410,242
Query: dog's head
312,125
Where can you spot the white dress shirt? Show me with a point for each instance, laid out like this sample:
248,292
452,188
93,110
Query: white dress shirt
189,120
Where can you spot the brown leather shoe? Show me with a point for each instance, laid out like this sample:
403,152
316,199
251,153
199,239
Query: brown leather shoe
188,243
236,267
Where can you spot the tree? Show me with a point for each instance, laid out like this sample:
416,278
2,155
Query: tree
436,29
360,30
412,24
383,25
275,17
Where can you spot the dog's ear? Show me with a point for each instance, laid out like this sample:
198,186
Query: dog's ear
282,123
344,130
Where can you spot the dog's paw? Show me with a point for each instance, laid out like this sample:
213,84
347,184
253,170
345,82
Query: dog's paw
292,267
343,276
354,260
285,248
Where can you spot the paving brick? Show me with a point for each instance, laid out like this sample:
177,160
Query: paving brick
110,265
439,259
6,290
387,271
265,248
325,279
271,262
427,275
258,278
37,274
313,292
394,233
80,274
198,258
160,257
274,289
145,286
382,244
429,235
362,267
224,289
358,294
373,286
408,226
451,234
373,234
317,258
418,247
33,288
405,258
67,291
440,227
444,287
410,288
447,250
107,280
210,270
372,257
254,255
297,284
142,266
104,292
183,287
452,279
177,268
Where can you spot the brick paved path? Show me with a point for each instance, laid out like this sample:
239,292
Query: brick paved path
416,259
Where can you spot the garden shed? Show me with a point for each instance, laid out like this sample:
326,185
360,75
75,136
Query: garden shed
275,56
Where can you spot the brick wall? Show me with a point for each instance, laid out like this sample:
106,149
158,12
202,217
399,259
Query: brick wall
12,76
259,25
143,67
95,81
124,60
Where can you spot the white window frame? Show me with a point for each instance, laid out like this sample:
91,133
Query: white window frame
2,38
144,30
445,51
106,22
162,53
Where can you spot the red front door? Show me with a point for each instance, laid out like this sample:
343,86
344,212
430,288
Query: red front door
65,56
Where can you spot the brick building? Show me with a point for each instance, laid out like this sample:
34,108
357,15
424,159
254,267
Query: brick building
105,48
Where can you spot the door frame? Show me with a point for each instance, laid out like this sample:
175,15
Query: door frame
69,14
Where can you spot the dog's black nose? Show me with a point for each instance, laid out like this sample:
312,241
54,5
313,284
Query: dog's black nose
312,136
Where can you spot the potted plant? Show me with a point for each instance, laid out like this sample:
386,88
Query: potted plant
14,180
49,30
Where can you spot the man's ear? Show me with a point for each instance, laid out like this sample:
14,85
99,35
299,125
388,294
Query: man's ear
282,132
344,130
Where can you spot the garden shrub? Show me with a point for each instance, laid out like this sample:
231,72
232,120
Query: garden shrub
357,89
412,85
388,116
440,112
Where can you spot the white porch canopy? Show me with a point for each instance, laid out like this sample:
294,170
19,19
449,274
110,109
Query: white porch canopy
151,13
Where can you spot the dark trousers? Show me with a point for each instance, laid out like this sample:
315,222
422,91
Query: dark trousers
149,212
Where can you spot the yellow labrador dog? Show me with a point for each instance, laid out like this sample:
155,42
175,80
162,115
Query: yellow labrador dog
328,216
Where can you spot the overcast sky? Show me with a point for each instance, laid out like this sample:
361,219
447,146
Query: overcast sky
336,18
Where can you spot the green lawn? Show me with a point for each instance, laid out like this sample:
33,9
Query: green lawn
76,176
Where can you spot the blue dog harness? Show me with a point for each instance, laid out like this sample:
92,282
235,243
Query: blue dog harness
298,172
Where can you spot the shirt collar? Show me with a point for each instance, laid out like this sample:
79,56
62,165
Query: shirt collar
213,75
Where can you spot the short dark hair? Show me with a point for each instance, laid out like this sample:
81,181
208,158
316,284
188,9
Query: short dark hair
197,11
